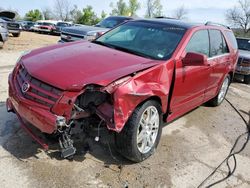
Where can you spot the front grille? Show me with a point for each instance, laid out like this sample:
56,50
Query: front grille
13,25
243,62
38,91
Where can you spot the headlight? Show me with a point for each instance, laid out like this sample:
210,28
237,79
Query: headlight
3,25
113,86
91,36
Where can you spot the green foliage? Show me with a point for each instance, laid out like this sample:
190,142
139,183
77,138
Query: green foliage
33,15
133,6
121,9
88,17
154,8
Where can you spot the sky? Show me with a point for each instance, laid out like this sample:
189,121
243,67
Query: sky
198,10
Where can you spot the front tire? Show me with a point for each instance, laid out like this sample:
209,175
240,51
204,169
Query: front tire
16,34
141,134
247,79
216,101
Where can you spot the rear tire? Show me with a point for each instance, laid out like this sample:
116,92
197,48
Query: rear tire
141,134
216,101
16,34
247,79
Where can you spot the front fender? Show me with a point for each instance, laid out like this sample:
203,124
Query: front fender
154,82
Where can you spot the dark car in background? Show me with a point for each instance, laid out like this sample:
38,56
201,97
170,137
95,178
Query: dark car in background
59,26
13,27
27,25
85,32
243,65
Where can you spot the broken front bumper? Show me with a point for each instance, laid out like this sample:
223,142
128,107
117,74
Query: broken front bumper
39,117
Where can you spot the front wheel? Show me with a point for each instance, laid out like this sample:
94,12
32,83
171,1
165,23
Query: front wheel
141,134
247,79
216,101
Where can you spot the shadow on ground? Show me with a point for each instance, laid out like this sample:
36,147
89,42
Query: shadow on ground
17,142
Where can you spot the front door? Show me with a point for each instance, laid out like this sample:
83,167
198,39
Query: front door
190,81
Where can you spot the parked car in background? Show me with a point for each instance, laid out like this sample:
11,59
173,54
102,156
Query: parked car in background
35,27
13,27
27,25
85,32
3,31
129,80
59,26
243,65
46,27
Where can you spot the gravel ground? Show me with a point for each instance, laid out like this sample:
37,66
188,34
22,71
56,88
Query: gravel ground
190,148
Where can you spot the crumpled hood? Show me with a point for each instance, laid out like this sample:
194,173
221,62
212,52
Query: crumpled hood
70,66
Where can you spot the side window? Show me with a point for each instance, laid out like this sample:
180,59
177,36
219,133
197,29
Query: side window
225,46
216,43
232,39
199,43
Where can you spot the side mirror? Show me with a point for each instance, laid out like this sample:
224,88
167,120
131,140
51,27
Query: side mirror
195,59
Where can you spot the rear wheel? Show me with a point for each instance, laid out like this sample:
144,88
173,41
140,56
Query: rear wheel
141,134
16,34
216,101
247,79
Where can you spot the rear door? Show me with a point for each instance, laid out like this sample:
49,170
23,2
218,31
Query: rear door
219,60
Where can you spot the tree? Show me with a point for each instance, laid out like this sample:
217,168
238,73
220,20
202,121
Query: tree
33,15
47,13
239,16
121,9
103,15
88,17
75,14
62,9
154,8
133,6
180,13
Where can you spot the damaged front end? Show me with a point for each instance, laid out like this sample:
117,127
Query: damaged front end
112,105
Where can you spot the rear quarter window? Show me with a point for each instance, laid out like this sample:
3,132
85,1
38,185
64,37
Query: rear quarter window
230,36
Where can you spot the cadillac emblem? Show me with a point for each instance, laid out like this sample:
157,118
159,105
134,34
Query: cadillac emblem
25,87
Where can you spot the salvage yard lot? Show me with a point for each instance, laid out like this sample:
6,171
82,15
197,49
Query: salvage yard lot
190,148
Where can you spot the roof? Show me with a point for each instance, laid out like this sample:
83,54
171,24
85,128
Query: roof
171,21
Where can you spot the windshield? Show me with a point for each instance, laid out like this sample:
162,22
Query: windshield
109,22
47,24
144,38
244,44
60,24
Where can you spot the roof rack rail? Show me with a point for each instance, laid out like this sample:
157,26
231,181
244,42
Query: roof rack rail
218,24
159,17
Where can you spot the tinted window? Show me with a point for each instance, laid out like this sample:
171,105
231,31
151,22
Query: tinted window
225,48
199,43
216,43
232,39
147,39
244,44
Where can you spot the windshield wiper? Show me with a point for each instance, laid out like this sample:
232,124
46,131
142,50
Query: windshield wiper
103,44
123,49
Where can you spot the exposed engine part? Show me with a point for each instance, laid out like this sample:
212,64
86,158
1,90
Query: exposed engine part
90,99
66,144
61,123
97,138
79,113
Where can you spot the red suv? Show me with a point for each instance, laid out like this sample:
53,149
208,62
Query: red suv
131,80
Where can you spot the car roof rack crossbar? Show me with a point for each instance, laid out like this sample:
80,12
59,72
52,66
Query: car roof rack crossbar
216,24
